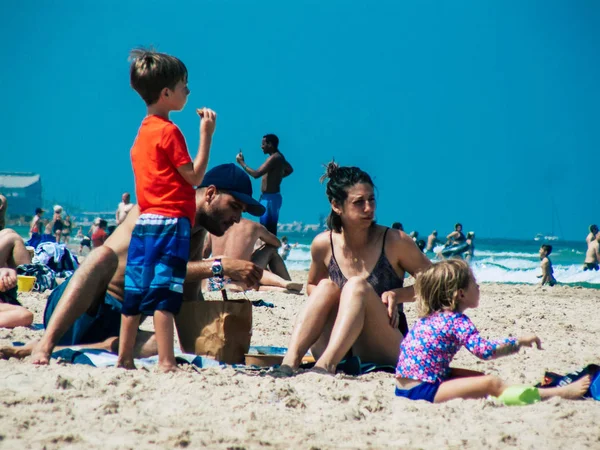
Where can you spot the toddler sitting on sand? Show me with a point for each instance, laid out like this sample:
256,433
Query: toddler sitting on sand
444,292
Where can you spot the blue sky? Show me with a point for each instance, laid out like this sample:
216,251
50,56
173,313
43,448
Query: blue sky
479,112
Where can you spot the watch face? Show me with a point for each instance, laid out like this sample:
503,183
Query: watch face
217,268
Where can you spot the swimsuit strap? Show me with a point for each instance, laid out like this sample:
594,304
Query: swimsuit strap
335,273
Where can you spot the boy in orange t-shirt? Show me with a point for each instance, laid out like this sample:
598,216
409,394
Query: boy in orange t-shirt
164,179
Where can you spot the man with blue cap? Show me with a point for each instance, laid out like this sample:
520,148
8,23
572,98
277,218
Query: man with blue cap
86,309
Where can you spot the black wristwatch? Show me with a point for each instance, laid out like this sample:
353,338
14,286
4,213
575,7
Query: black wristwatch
217,268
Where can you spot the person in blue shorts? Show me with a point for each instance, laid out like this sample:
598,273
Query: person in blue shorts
273,171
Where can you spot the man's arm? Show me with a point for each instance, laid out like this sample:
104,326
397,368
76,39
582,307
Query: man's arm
267,237
266,166
236,269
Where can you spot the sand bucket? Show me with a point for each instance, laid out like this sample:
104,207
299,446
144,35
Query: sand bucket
25,283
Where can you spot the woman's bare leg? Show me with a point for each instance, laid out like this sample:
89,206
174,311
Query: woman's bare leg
362,324
311,321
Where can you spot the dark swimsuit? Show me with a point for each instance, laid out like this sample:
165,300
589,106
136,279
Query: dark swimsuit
382,278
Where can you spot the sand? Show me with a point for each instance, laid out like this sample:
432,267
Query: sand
74,406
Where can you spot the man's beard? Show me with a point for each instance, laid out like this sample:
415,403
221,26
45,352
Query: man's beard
213,223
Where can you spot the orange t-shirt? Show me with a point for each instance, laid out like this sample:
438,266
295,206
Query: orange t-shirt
159,149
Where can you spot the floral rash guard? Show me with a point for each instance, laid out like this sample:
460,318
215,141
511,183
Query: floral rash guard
430,346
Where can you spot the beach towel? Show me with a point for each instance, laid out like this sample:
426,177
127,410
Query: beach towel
57,257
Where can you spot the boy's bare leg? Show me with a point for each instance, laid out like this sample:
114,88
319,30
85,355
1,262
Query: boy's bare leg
164,329
127,337
84,292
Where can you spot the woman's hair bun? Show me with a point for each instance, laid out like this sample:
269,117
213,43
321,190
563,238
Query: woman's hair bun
330,169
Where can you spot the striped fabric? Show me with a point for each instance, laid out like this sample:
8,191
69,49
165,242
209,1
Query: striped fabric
156,265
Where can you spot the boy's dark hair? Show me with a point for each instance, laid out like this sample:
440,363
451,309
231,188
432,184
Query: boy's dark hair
272,139
340,180
397,226
593,228
547,248
284,239
150,72
102,224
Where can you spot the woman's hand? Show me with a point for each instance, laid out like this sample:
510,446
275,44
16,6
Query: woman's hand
389,299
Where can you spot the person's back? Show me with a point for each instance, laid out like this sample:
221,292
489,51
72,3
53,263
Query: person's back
592,255
592,234
238,241
99,235
432,239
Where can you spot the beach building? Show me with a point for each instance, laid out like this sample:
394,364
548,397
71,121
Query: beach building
23,190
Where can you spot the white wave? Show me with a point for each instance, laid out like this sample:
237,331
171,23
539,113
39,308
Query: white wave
490,273
479,253
512,264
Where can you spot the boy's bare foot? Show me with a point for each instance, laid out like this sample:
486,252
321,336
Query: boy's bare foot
126,363
40,354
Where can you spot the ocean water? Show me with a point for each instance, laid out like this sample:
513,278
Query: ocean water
497,261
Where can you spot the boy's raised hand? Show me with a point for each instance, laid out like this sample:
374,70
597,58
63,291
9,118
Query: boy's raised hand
208,121
529,340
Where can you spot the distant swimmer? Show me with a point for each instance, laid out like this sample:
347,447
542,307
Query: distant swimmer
455,243
457,236
398,226
470,253
272,171
592,234
592,256
547,275
432,241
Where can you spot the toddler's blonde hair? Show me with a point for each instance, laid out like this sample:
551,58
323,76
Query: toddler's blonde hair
437,287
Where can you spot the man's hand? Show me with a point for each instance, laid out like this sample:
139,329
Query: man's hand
8,279
388,298
208,121
244,271
240,157
530,340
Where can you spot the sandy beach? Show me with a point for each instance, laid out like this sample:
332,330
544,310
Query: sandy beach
76,406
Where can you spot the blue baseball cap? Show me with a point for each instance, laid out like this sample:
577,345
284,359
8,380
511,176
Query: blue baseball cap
230,178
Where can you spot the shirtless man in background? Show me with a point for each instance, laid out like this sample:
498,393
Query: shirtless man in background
592,255
239,242
272,171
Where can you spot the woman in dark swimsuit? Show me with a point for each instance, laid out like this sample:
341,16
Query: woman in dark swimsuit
355,280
